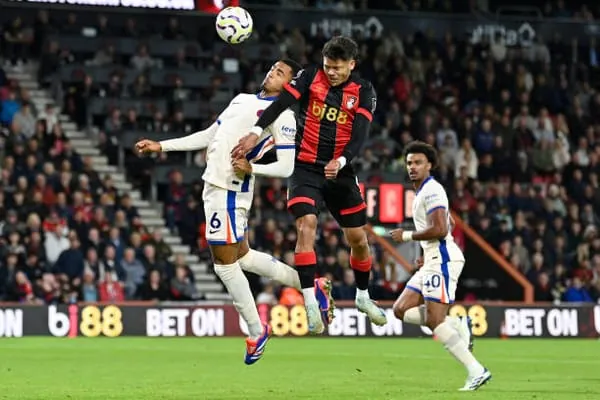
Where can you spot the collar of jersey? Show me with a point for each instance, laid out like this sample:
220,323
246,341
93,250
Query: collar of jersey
272,98
423,184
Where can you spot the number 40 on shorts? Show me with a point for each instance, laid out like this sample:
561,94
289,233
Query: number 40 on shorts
433,281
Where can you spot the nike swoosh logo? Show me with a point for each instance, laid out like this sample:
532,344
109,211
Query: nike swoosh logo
213,231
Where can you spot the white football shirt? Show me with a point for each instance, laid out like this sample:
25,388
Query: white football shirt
232,124
431,196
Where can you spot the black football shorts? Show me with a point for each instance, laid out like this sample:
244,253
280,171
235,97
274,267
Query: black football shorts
308,189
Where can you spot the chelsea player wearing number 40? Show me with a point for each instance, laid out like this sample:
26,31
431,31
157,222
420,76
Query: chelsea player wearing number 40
229,191
435,282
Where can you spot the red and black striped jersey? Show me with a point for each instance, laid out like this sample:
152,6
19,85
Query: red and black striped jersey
327,114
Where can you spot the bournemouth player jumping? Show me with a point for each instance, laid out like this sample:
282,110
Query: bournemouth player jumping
336,109
435,282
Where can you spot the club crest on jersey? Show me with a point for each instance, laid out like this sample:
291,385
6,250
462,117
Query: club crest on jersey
350,101
259,113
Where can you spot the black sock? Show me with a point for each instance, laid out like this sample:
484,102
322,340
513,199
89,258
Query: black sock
306,265
307,275
360,277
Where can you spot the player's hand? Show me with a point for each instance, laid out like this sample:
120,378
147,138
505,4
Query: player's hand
242,167
146,146
332,168
397,235
244,146
419,262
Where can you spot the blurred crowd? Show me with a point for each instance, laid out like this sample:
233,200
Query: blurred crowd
578,9
66,233
518,131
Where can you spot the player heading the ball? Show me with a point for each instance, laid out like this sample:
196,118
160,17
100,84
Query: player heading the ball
336,110
229,191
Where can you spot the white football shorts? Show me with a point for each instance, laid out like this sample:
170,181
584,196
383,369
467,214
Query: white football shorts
437,281
226,214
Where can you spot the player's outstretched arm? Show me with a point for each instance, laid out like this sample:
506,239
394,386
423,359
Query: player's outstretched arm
283,132
282,168
196,141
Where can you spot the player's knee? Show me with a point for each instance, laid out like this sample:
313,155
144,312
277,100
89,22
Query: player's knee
433,320
224,260
399,309
306,227
357,238
224,255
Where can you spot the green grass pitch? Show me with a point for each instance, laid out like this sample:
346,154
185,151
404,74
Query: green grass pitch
308,368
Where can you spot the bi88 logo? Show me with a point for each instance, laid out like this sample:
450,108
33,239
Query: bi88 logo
332,114
91,322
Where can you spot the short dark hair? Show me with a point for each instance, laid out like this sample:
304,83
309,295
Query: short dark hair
295,66
418,147
341,48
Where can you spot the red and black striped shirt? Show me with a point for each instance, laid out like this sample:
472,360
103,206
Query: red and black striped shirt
332,121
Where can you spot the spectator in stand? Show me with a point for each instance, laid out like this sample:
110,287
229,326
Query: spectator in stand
9,107
577,293
25,119
89,289
134,273
154,288
182,287
110,289
70,262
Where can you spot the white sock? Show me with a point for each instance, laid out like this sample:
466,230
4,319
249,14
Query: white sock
238,287
451,340
453,321
309,297
416,315
362,293
268,266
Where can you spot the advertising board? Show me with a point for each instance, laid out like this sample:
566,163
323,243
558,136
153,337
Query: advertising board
568,321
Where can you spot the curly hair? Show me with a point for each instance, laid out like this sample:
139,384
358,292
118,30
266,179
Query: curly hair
418,147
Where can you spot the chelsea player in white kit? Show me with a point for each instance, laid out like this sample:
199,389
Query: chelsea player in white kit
229,191
434,284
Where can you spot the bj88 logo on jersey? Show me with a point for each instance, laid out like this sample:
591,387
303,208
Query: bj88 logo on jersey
326,112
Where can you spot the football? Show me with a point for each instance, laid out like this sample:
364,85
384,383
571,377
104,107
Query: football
234,25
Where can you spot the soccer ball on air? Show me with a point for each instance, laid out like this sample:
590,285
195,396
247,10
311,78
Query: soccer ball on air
234,25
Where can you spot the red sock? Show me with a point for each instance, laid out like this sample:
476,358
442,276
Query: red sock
361,265
306,265
362,272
